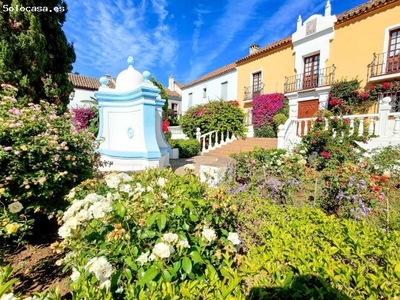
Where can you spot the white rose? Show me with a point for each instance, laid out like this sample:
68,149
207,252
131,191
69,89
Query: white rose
233,237
209,234
101,268
15,207
143,258
162,250
170,238
75,274
183,244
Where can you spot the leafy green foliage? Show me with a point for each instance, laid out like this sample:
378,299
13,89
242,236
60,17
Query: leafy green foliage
299,252
42,156
129,235
266,130
385,159
34,53
217,115
163,95
187,148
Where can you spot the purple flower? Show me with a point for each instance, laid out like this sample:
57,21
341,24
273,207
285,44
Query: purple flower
8,148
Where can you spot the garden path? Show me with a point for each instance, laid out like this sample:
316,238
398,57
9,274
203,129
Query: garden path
178,165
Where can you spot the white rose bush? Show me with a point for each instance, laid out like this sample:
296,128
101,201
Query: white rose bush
146,234
42,156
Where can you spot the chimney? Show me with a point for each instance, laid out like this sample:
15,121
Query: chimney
110,79
171,83
254,48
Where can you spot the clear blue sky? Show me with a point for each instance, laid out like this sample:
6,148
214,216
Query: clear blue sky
184,38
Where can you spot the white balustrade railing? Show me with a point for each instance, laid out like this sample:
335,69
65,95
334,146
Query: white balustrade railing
383,125
213,139
177,132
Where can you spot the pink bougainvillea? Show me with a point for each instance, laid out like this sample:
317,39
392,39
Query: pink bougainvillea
265,107
82,116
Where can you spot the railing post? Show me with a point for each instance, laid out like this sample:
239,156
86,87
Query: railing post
361,127
351,126
281,137
384,111
396,128
371,126
198,134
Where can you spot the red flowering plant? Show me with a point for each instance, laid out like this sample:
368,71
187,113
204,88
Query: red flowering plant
350,190
346,98
384,89
333,145
165,125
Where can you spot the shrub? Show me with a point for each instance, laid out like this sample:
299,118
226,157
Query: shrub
299,252
385,159
273,174
187,148
265,107
267,130
279,119
216,115
345,97
351,191
333,145
149,233
42,156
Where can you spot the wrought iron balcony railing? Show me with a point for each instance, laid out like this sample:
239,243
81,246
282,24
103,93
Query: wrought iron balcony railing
386,63
317,78
250,92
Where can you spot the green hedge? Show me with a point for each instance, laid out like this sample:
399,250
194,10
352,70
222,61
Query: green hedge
301,253
187,148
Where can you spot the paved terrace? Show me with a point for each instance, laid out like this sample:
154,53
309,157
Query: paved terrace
178,165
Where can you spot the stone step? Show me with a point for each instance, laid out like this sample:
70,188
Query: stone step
243,145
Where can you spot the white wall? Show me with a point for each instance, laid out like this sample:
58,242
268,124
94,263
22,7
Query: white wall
213,87
81,94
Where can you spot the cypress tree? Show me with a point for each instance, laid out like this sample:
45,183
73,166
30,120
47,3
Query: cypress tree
35,55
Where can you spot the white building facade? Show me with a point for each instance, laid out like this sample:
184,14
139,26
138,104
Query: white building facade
219,84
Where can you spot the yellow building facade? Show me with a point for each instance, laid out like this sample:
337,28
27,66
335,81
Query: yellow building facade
263,70
362,43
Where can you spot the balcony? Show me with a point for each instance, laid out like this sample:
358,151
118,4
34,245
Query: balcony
384,66
311,80
250,92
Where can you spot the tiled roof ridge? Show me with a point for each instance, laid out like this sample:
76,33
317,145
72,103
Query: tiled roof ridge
267,48
362,9
86,82
179,84
215,73
172,93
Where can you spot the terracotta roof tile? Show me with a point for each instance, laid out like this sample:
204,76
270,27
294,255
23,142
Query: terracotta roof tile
87,83
218,72
362,9
172,93
180,85
282,42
